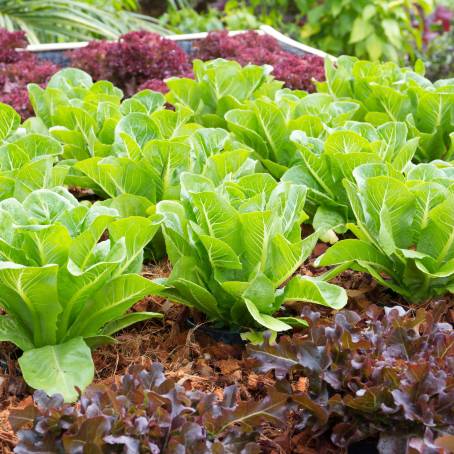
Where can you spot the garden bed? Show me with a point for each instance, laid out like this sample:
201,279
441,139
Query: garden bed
57,52
317,227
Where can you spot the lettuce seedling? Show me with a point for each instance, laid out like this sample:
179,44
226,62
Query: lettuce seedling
64,287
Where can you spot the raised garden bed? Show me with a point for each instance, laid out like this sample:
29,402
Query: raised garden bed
57,52
318,227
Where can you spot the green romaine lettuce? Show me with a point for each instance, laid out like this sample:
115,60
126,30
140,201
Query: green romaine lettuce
63,286
233,246
404,229
389,93
324,163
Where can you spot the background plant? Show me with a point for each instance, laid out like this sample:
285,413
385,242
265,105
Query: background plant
374,30
184,17
437,53
19,68
136,58
370,30
72,20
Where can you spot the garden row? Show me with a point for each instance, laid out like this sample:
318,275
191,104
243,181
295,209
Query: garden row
219,175
140,60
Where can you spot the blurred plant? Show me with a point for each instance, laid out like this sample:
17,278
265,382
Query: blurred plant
297,71
188,20
439,57
182,17
438,52
137,57
438,22
377,29
72,20
19,68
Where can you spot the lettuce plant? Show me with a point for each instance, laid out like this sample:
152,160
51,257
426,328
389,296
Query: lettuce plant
404,229
328,159
382,373
266,124
152,167
64,287
296,71
147,412
27,163
88,118
219,86
136,58
18,68
232,247
389,93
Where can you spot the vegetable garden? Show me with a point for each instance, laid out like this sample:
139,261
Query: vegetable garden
232,248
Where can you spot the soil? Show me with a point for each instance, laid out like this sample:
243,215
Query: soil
191,357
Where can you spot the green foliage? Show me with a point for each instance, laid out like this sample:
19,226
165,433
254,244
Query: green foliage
389,93
219,86
376,30
324,163
73,20
365,154
188,20
404,229
181,17
63,287
232,247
